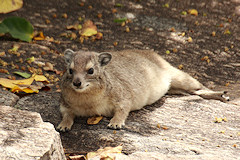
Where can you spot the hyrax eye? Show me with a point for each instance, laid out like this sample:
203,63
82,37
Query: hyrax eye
70,71
90,71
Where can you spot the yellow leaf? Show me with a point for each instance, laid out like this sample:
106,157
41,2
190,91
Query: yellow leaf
193,12
190,39
23,85
6,83
88,32
89,29
94,120
40,78
180,67
7,6
218,120
26,89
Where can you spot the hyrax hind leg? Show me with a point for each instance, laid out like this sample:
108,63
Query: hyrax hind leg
183,83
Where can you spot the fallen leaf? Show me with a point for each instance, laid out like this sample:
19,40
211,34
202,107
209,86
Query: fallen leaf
224,119
54,15
115,43
180,67
30,60
167,52
118,5
184,13
73,27
206,58
89,29
4,71
40,78
120,20
14,49
222,131
127,29
114,10
47,21
48,66
166,5
2,54
218,120
3,63
193,12
213,34
165,128
189,39
99,35
17,27
39,37
94,120
172,29
99,15
227,84
7,6
23,85
175,50
227,31
23,74
64,15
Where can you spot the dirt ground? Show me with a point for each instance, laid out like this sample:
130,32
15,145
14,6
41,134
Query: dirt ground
150,29
206,46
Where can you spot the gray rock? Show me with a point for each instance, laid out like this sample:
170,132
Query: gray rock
23,135
7,98
172,128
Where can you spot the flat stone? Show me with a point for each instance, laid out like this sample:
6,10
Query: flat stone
7,98
173,128
23,135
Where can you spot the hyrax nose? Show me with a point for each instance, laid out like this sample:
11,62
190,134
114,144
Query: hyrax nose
77,83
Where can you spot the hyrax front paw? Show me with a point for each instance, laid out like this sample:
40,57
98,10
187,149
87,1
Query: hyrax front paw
116,124
65,126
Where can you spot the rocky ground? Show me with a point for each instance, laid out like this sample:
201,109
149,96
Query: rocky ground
206,46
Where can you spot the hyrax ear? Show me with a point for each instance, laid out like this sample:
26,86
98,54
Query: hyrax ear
104,58
68,54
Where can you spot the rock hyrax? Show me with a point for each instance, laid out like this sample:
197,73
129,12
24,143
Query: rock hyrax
113,84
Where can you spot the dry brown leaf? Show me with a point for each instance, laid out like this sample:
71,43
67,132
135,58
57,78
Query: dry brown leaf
180,67
99,35
2,54
39,37
94,120
48,66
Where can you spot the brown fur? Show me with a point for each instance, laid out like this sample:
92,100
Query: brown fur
122,81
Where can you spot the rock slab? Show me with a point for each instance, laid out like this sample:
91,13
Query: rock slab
172,128
24,136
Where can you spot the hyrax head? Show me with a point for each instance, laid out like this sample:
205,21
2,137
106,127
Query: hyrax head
84,69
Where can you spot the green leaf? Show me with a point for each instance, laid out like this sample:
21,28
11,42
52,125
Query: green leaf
120,20
118,5
23,74
18,28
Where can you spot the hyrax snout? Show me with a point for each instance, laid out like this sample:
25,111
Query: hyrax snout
113,84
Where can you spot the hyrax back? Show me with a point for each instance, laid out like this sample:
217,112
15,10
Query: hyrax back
113,84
